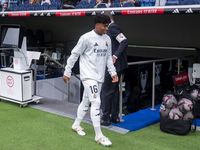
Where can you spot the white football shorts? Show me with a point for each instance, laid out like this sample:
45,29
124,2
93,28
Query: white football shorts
92,89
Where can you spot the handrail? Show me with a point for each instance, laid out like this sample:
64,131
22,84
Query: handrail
151,61
162,47
35,70
45,55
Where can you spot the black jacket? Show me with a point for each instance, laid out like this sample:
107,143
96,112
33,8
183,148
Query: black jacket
118,49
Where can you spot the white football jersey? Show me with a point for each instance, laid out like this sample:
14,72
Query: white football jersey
95,54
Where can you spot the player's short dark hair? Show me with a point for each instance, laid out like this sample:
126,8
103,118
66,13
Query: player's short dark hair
101,18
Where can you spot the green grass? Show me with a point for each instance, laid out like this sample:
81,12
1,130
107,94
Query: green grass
32,129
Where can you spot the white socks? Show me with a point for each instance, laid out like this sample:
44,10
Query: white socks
98,132
95,108
77,122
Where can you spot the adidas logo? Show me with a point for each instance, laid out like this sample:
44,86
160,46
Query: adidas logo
112,13
48,14
42,14
96,44
102,12
3,15
35,14
189,11
93,13
176,11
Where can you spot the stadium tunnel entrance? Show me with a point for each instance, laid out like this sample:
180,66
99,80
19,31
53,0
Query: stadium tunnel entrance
149,37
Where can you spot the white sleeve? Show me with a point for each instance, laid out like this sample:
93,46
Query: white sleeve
110,65
76,52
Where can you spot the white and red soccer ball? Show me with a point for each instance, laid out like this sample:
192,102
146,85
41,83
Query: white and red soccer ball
169,101
175,114
185,105
164,112
195,94
188,116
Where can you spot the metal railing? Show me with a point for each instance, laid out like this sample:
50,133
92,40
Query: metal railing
153,80
50,58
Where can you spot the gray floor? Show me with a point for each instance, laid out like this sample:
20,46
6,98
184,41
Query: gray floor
69,110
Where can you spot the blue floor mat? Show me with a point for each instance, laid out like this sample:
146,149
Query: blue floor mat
197,122
142,119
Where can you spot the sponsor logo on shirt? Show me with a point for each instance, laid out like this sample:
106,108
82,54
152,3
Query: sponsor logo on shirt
100,52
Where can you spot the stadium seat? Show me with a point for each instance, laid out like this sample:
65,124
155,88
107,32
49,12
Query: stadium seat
181,2
189,2
117,1
53,6
93,2
172,2
22,9
79,6
152,2
45,6
26,2
89,6
28,6
128,4
102,5
14,2
115,5
83,2
14,7
145,3
21,5
59,3
37,6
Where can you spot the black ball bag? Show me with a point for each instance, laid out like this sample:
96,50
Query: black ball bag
178,127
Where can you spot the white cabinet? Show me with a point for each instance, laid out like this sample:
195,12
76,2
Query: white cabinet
16,84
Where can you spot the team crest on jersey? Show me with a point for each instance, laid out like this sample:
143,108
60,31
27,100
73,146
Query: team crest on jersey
121,36
106,43
94,96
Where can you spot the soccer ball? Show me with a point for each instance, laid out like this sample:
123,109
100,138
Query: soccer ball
195,94
185,105
169,101
175,114
164,112
188,116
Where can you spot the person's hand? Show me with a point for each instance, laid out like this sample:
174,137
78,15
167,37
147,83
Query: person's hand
114,59
115,78
66,79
